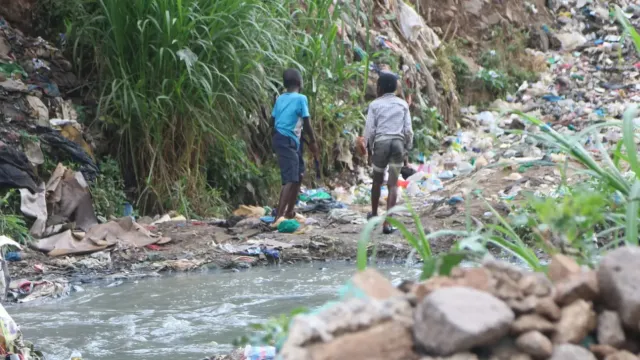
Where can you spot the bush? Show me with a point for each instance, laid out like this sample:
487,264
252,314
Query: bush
107,190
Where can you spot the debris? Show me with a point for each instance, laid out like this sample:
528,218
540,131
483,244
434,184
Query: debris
288,226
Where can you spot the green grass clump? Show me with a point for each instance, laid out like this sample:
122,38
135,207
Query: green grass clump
179,76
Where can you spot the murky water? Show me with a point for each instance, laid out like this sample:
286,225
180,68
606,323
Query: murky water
178,317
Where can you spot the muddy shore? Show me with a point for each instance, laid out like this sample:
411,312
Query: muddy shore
200,246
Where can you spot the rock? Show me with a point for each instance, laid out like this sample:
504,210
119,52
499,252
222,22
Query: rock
576,321
507,350
535,343
359,328
571,352
548,308
532,322
536,284
619,276
420,290
375,285
562,267
601,351
621,355
610,330
578,286
461,356
446,322
523,306
390,340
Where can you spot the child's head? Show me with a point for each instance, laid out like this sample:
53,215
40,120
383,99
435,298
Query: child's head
292,79
387,83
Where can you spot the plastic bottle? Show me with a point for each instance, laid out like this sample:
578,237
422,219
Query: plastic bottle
76,355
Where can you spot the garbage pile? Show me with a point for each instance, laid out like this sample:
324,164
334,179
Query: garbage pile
593,77
496,311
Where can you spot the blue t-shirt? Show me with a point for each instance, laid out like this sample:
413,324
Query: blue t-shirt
289,110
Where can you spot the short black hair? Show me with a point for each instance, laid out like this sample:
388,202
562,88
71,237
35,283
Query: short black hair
387,82
291,78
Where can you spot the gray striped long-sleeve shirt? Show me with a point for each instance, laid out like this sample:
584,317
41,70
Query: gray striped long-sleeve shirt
388,117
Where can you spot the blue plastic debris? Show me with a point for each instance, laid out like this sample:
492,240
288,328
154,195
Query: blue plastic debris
552,98
268,219
13,256
455,200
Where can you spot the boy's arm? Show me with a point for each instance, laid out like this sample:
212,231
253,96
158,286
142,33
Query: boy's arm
408,129
369,129
308,129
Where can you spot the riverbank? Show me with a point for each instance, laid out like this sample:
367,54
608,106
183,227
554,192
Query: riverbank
198,245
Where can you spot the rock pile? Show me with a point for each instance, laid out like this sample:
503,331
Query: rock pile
496,311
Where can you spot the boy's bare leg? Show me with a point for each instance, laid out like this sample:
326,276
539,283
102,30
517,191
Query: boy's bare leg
284,200
291,201
392,184
378,179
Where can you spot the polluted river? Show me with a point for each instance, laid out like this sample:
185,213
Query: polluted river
187,316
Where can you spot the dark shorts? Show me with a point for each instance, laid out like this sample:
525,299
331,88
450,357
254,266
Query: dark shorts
289,158
388,152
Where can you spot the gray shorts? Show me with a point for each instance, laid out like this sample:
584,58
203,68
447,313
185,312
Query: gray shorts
388,152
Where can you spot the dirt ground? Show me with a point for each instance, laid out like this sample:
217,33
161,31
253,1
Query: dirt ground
198,246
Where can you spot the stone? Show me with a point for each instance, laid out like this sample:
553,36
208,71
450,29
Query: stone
619,276
610,330
601,351
506,349
562,267
375,285
523,306
571,352
422,289
536,284
388,340
532,322
460,356
576,321
548,308
621,355
578,286
446,321
535,344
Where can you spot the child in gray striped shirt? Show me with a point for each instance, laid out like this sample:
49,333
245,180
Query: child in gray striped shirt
388,136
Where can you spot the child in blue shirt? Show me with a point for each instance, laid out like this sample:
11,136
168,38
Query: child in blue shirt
291,116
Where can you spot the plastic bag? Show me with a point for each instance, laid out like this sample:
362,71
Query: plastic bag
410,22
9,328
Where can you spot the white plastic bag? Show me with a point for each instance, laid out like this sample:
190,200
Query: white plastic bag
411,23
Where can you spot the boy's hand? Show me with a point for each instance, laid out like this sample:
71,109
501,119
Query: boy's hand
313,147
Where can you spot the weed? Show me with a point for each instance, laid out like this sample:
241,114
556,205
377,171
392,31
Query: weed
495,82
12,224
107,190
462,71
440,264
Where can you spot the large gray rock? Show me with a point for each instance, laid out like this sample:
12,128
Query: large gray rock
619,280
571,352
457,319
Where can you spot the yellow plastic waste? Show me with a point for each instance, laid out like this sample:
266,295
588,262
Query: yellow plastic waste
249,211
73,134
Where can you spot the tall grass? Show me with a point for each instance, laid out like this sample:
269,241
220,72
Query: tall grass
178,75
